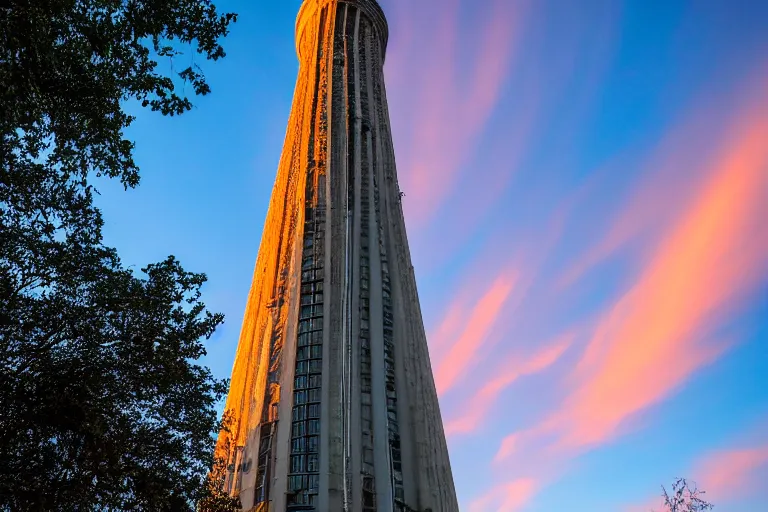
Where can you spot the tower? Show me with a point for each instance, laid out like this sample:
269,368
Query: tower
332,394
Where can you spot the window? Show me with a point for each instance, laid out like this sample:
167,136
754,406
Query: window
295,483
298,445
297,464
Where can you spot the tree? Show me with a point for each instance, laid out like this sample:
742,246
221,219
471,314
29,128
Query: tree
685,497
103,405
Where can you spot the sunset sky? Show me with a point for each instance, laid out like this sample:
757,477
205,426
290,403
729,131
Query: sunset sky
586,195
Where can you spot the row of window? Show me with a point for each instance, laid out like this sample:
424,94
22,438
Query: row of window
393,429
311,366
305,396
310,325
306,382
315,287
310,483
311,298
303,480
313,274
310,352
305,463
309,444
366,423
310,338
304,428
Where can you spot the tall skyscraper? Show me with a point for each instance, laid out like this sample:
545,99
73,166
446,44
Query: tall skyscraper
332,392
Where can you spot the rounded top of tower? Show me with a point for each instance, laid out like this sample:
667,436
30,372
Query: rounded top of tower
311,8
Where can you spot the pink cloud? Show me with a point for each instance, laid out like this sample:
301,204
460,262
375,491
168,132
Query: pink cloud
452,105
707,260
478,406
449,328
508,446
462,354
660,193
712,255
722,476
731,474
507,497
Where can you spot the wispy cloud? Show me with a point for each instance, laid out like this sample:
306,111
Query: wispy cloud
507,497
463,353
713,254
709,258
660,193
476,409
450,325
724,475
732,473
453,104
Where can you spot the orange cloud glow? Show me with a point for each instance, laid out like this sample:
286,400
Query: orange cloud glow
707,260
651,340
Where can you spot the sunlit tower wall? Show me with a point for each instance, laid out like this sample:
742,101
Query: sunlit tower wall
332,394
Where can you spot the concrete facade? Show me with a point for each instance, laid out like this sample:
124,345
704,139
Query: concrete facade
332,393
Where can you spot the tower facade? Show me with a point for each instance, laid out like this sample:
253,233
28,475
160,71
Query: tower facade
332,396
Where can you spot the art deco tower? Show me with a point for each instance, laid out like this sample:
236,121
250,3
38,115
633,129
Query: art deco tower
332,391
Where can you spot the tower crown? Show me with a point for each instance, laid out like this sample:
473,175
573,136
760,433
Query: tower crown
311,8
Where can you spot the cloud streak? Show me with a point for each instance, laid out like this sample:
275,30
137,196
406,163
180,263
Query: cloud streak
478,406
731,474
463,353
507,497
707,260
723,475
713,254
452,104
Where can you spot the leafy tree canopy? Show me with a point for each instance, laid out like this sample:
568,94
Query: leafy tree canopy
103,405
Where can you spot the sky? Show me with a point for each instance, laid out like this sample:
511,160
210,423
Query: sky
586,197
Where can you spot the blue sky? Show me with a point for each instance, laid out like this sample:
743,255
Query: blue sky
586,187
